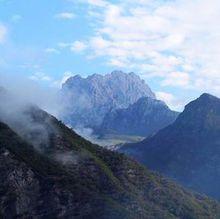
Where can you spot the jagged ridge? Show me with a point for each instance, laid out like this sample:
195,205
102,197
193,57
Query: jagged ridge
87,100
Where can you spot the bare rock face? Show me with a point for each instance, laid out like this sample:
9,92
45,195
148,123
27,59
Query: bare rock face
87,100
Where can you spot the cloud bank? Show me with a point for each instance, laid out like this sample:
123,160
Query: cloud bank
175,41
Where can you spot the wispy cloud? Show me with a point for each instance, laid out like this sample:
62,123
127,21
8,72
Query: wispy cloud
164,39
40,76
175,103
52,82
177,79
52,50
3,33
78,46
65,15
66,76
99,3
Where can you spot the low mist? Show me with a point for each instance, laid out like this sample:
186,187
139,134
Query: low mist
30,91
19,99
19,94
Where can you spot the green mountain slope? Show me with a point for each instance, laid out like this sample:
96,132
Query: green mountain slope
69,177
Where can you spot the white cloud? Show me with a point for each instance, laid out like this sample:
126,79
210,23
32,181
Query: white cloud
52,82
99,3
176,41
65,15
52,50
117,63
63,45
78,46
66,76
3,33
173,102
40,76
179,79
58,83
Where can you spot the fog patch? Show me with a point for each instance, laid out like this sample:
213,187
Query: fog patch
67,158
29,91
87,133
19,101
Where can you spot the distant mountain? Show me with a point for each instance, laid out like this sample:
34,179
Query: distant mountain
87,100
65,176
143,118
189,149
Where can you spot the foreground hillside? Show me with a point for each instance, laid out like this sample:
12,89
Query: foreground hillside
189,149
68,177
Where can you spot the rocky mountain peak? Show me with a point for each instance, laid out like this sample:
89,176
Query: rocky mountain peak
89,99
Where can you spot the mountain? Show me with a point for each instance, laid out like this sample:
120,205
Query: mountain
189,149
87,100
143,118
65,176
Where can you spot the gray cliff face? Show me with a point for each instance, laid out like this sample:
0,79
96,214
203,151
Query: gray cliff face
144,117
87,100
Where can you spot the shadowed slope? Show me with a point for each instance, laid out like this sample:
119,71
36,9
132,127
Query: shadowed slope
70,177
189,149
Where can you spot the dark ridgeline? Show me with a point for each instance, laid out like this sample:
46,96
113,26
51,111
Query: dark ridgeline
143,118
189,149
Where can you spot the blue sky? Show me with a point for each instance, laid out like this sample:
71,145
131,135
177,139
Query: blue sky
173,48
33,27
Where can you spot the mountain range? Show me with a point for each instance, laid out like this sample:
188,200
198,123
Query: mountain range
48,171
116,103
87,100
187,150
